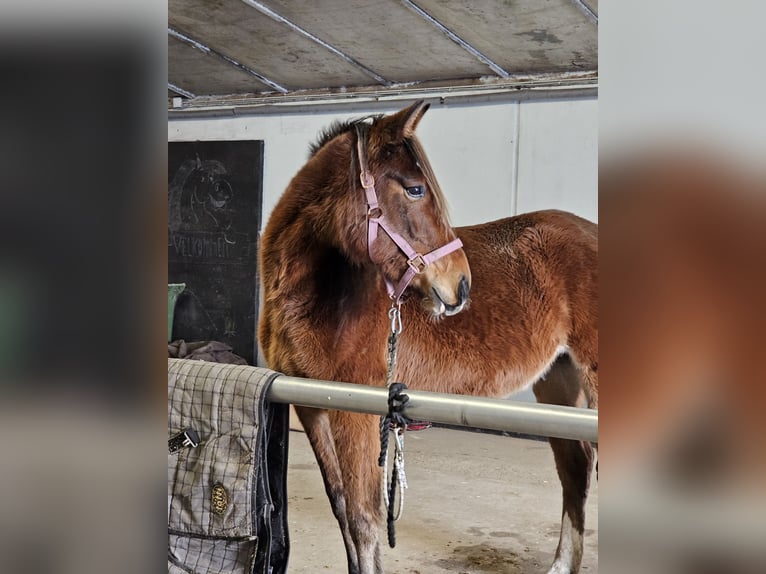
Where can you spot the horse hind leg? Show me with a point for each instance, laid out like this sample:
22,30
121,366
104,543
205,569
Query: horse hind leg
357,442
574,464
316,423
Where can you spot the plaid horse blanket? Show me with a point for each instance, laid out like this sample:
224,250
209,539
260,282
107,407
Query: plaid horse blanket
227,470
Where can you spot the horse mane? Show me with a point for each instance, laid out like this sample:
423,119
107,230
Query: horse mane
416,149
337,128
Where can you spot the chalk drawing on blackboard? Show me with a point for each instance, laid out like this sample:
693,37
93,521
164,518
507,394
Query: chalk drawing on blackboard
214,203
201,193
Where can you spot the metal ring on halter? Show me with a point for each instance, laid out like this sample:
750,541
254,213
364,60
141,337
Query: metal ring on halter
375,213
417,264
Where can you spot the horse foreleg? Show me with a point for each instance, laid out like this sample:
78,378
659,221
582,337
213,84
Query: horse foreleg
316,423
574,463
357,443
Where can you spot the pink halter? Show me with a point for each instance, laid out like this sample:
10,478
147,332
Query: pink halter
416,262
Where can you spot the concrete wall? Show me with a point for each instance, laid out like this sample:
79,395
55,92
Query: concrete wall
492,160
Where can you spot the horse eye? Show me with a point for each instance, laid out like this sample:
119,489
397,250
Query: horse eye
416,191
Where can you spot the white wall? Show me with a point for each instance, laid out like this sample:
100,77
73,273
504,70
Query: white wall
558,157
492,160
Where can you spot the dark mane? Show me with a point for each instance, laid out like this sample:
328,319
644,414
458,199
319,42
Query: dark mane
337,128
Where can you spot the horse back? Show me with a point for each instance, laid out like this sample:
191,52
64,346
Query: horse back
533,293
551,226
534,250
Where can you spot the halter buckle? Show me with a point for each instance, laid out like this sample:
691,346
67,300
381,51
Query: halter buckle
417,264
367,180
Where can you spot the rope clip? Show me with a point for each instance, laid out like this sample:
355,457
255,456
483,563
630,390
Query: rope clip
395,315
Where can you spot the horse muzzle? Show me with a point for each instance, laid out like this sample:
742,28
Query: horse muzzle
442,304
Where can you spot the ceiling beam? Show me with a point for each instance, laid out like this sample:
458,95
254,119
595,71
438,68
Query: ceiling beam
562,85
223,57
585,9
494,66
180,91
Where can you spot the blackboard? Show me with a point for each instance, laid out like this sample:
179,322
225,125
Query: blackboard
214,215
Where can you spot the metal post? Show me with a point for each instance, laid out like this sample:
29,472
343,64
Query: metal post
478,412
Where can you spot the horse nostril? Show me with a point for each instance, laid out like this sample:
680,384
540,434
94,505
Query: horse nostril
462,290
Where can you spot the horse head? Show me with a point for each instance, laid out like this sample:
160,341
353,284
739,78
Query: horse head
418,247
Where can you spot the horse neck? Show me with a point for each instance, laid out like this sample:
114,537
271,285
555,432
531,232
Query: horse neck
318,230
327,205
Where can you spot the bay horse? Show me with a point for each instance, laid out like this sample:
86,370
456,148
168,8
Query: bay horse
328,278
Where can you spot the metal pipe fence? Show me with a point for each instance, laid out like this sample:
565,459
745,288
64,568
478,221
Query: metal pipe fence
461,410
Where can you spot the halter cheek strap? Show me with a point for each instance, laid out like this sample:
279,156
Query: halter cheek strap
416,263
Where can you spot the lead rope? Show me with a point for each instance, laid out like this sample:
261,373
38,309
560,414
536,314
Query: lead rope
394,421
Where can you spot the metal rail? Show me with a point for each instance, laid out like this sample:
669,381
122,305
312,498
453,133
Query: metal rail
468,411
563,85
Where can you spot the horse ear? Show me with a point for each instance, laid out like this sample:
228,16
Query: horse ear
402,124
413,116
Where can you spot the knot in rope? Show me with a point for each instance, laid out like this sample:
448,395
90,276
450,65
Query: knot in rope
395,417
396,421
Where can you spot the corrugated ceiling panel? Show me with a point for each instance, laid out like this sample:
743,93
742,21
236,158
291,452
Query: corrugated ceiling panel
386,36
270,48
523,36
202,74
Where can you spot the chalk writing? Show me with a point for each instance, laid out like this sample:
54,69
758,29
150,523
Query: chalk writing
202,246
212,246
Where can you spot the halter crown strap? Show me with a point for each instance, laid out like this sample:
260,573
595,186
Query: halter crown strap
416,263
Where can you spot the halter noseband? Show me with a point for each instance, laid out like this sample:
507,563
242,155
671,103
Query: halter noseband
416,263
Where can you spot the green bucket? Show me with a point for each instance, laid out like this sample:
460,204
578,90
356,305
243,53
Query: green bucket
174,290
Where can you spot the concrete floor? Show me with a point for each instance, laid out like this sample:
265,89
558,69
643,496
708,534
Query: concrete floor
476,503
